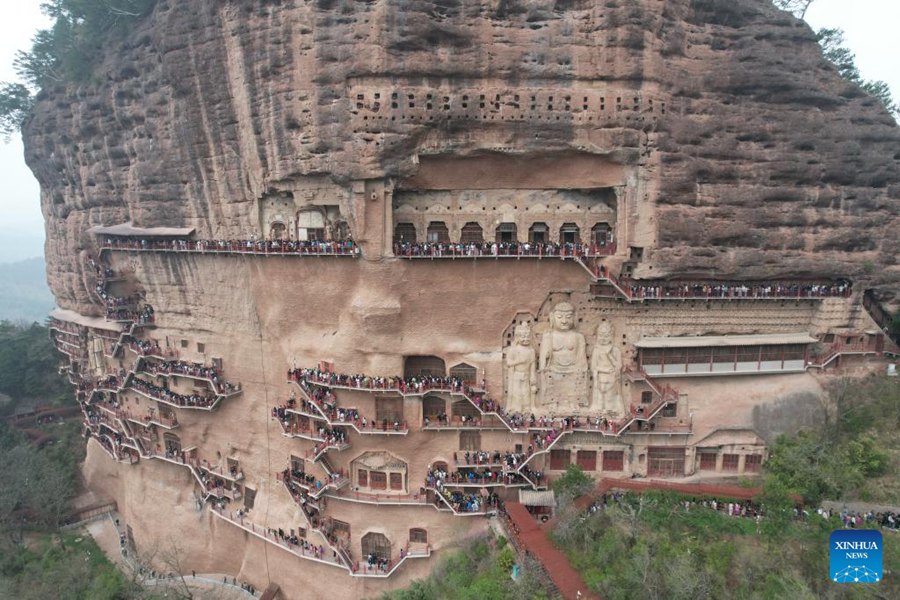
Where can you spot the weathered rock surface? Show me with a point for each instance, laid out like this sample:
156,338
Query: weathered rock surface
761,161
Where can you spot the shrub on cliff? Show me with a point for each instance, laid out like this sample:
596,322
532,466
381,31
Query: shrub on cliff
67,51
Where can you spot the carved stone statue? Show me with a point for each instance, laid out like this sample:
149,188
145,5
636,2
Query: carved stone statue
521,372
606,366
563,363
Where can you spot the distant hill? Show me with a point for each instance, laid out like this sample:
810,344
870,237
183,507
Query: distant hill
24,295
16,245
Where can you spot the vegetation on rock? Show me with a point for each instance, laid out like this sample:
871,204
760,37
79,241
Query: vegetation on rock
28,365
479,571
67,52
652,546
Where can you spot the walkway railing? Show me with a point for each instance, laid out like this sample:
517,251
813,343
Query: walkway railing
257,247
501,250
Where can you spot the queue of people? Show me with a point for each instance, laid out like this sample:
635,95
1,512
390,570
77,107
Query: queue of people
500,249
296,247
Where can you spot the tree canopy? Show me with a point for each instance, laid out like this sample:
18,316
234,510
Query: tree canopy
67,51
28,363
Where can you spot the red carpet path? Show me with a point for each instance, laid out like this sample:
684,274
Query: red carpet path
533,537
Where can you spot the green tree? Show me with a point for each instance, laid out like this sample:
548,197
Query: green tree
796,7
573,483
28,363
15,105
67,51
836,52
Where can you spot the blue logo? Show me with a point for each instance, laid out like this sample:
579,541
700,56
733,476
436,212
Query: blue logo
856,556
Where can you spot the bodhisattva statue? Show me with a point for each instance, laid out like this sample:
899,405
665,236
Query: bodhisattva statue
563,363
521,372
606,366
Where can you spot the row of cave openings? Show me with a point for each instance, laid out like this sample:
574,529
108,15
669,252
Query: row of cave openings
601,234
533,102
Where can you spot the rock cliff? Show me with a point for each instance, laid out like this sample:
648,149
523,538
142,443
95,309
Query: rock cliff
758,160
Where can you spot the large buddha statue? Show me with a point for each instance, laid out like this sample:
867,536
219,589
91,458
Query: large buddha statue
563,363
606,367
521,372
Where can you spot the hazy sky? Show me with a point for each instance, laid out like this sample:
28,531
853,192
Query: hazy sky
870,27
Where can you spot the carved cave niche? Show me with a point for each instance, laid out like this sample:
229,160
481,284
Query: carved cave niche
424,366
437,233
388,410
569,233
380,472
539,233
172,443
465,372
464,409
433,406
277,231
472,233
311,224
601,234
418,535
506,233
377,545
405,233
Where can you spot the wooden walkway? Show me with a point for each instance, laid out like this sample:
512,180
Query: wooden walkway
533,537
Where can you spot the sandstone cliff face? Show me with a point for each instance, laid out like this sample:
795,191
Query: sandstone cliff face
758,160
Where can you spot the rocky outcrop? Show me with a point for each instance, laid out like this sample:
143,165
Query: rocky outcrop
757,159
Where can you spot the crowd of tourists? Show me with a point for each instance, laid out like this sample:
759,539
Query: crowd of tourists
377,563
142,316
732,508
483,458
411,385
887,519
108,382
305,479
149,348
310,508
167,395
738,290
302,545
180,367
448,384
497,249
320,247
460,501
848,519
472,477
326,403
